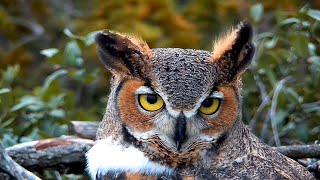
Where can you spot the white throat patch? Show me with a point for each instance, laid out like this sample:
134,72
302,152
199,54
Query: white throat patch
110,156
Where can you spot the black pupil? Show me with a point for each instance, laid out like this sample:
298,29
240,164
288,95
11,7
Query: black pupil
207,102
151,98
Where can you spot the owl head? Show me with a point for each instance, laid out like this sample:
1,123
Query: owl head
168,106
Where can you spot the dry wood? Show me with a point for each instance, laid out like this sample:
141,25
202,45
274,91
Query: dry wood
300,151
11,168
84,129
62,154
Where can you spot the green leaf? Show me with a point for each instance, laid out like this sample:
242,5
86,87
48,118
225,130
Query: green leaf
280,117
10,74
7,122
57,100
271,77
51,78
314,59
25,101
256,12
271,43
300,44
4,90
36,107
302,131
72,54
70,34
294,95
58,113
84,76
311,107
9,139
89,39
290,21
49,52
312,49
315,14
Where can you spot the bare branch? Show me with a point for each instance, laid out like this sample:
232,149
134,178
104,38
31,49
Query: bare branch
84,129
273,110
301,151
11,167
266,101
62,154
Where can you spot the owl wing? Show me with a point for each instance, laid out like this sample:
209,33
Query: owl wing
254,166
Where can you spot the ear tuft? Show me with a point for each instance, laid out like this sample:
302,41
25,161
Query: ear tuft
234,40
234,51
122,54
223,44
140,43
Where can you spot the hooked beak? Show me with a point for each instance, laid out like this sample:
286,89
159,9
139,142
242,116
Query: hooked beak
180,130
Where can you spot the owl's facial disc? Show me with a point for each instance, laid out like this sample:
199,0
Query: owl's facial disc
177,128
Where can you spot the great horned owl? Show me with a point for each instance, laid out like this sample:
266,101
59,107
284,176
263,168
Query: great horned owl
176,114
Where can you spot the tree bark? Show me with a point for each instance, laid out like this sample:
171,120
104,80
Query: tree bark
66,155
84,129
11,168
300,151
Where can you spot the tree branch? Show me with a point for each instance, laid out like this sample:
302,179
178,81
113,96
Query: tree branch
12,168
84,129
301,151
62,154
273,109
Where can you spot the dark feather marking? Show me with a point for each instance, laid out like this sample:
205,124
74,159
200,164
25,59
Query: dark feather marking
115,49
127,137
180,130
118,88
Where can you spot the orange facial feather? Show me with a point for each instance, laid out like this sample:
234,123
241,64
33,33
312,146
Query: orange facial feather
130,112
228,112
223,44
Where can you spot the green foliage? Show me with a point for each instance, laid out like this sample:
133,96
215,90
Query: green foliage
50,76
68,83
44,111
287,61
256,12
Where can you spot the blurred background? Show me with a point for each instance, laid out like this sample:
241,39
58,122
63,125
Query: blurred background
50,73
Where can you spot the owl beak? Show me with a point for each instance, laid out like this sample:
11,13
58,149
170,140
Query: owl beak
180,130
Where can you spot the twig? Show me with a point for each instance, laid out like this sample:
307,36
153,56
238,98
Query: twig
300,151
266,101
265,127
273,110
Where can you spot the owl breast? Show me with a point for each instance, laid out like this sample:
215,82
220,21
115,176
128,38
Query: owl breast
159,152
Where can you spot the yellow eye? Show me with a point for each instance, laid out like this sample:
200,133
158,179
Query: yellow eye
150,102
210,106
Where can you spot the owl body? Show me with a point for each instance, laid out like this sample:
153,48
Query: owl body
176,114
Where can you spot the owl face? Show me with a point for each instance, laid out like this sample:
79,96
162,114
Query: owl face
174,104
181,100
